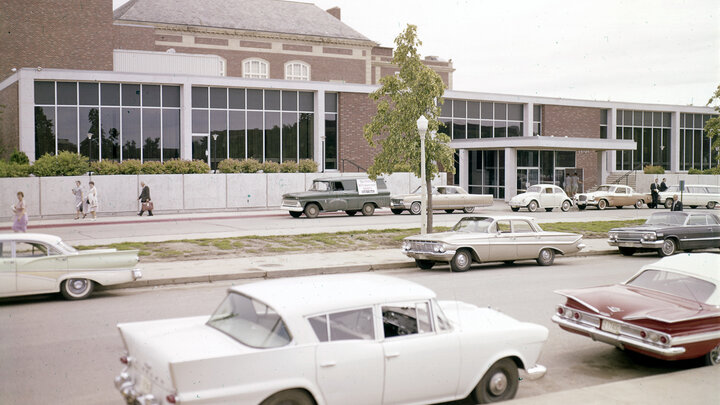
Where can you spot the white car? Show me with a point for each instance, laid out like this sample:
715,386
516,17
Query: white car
334,339
546,196
694,195
448,198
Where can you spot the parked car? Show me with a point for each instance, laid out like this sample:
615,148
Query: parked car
693,196
669,310
546,196
338,194
612,195
34,263
334,339
490,239
448,198
668,232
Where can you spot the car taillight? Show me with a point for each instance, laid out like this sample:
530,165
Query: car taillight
663,339
576,315
643,334
560,310
171,399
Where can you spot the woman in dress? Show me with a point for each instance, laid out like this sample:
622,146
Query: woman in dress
21,220
92,199
77,192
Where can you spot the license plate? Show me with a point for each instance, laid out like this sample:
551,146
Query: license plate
626,244
610,326
144,384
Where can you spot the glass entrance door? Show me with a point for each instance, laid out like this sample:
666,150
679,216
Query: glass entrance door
527,177
200,148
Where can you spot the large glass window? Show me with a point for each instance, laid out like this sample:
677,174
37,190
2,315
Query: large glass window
487,172
297,71
461,119
647,129
331,127
696,151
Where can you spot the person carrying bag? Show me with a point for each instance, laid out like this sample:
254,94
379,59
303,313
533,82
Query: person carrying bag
146,203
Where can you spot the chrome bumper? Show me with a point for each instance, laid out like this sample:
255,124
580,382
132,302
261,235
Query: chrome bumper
136,274
438,257
617,340
126,386
656,244
290,206
398,205
534,373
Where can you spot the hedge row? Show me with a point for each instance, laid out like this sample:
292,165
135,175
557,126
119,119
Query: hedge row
253,166
712,170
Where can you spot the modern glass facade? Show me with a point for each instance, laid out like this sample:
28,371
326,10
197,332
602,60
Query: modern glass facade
543,166
487,172
465,119
114,121
331,131
696,151
239,123
651,132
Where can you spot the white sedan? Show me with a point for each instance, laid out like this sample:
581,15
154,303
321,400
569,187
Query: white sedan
334,339
546,196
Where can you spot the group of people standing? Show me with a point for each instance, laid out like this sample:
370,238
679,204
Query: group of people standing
656,189
85,202
572,184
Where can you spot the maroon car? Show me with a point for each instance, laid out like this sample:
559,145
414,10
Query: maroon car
669,310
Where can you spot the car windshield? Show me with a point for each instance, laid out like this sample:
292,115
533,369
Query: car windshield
680,285
665,218
473,225
250,322
320,186
534,189
603,188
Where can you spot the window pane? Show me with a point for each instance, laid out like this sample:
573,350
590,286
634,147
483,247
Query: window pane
255,134
289,100
237,98
254,99
486,131
319,325
306,135
218,137
272,136
500,129
515,112
351,325
446,108
130,94
67,93
151,134
44,131
88,93
486,111
237,134
272,99
473,109
331,102
537,113
150,95
170,133
307,101
89,120
458,129
67,129
218,97
647,118
473,129
131,138
289,136
656,150
200,122
110,133
565,159
459,108
171,96
657,119
331,141
109,94
399,321
500,113
603,117
200,97
45,93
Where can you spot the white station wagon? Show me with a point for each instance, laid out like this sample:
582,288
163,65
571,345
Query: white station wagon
334,339
693,196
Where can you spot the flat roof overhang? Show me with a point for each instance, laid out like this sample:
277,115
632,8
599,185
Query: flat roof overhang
544,142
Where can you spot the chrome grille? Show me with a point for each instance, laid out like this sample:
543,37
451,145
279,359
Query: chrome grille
582,197
629,235
420,246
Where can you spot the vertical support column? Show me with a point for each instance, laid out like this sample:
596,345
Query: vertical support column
319,136
510,173
186,120
464,169
528,117
675,142
26,113
611,156
602,169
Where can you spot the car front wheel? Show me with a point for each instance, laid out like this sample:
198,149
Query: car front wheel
668,248
468,210
449,211
710,205
396,211
76,288
368,209
461,261
312,210
581,207
425,264
627,251
500,383
515,209
668,203
638,204
565,207
602,204
415,208
290,397
546,257
533,206
295,214
351,212
713,356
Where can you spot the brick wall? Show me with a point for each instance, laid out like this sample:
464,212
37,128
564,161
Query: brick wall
70,34
355,110
135,38
9,130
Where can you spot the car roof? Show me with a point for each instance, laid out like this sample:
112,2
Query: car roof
705,266
39,237
342,178
499,217
303,296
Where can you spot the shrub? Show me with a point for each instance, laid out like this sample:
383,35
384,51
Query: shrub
653,169
130,166
288,167
712,170
271,167
198,166
694,171
307,166
250,166
63,164
105,167
152,167
19,157
229,166
14,169
177,166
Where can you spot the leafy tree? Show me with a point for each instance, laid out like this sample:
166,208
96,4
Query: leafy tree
401,100
712,126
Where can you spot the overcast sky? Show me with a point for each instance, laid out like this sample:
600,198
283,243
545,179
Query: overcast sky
655,51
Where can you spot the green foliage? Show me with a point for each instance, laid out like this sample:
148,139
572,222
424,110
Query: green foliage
198,167
653,169
270,167
152,167
130,166
11,169
288,167
712,126
63,164
401,100
229,166
19,157
250,166
307,166
105,167
713,170
177,166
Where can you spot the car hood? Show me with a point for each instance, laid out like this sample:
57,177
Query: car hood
641,228
627,303
525,196
302,194
404,196
449,236
468,317
593,194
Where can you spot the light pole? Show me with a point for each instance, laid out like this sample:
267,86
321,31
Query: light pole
214,156
422,125
89,135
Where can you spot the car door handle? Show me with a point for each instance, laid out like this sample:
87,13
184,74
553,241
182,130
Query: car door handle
391,355
328,364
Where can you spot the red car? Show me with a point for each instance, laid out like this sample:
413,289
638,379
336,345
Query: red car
669,310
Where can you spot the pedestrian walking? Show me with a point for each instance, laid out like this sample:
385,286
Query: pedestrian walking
566,185
20,219
574,183
677,204
654,187
78,193
92,200
146,203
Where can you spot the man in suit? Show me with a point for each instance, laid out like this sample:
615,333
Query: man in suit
663,186
654,192
677,204
145,202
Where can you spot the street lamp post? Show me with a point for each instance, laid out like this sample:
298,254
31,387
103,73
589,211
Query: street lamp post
422,125
89,135
214,156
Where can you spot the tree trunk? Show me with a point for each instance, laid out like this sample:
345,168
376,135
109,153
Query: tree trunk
429,206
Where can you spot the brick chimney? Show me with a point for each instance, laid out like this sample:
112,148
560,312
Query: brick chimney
335,12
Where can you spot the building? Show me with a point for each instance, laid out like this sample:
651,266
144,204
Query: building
280,80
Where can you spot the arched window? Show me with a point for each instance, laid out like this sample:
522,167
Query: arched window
255,68
296,70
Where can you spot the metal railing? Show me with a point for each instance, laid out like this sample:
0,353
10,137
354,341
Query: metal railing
626,175
357,166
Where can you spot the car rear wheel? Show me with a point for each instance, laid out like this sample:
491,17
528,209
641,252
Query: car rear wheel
351,212
449,211
295,214
425,264
627,251
312,210
710,205
546,257
602,204
668,203
461,261
76,288
500,383
469,210
368,209
638,204
668,248
396,211
290,397
565,207
619,207
509,262
713,356
693,206
415,208
533,206
515,209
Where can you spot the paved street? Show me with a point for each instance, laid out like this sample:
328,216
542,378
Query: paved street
67,352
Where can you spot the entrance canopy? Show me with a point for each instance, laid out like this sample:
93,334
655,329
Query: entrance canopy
544,142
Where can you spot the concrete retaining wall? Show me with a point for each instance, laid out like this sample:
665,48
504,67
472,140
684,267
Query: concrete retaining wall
642,180
172,193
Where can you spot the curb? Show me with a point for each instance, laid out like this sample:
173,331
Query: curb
270,274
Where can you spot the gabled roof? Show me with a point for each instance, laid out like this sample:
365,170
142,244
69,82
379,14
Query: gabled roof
268,16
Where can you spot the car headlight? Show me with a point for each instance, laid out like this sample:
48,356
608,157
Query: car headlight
649,236
438,248
405,245
612,236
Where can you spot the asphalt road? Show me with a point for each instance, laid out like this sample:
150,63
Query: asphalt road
63,352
